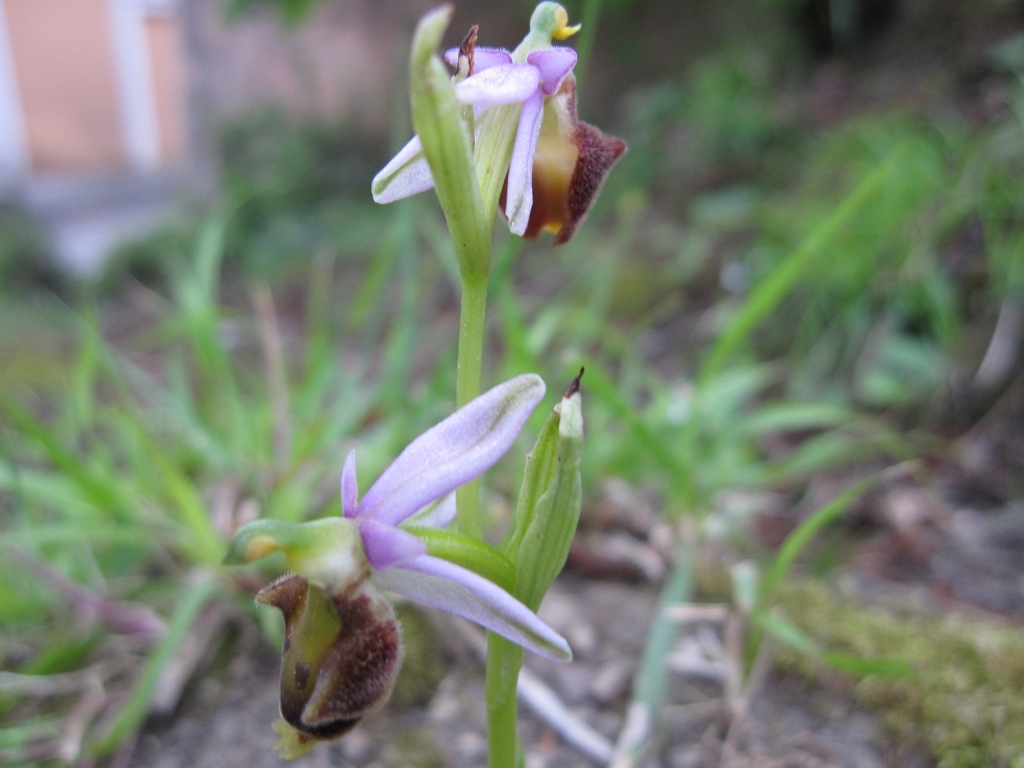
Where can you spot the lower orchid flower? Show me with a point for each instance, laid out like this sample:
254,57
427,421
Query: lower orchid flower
558,163
342,648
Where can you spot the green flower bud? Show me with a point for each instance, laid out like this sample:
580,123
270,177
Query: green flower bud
549,501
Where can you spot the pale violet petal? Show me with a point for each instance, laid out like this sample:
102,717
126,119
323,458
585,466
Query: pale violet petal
440,584
349,487
483,58
437,515
519,200
553,64
503,84
460,448
406,174
387,546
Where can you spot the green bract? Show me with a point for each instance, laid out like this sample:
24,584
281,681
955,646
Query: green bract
447,146
549,501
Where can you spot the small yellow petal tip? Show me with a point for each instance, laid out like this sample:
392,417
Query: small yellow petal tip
260,546
563,31
292,743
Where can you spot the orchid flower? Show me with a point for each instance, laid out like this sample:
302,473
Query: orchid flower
558,163
343,645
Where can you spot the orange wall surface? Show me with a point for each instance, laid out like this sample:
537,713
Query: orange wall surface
64,67
164,38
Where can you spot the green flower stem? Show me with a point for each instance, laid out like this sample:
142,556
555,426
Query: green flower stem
468,181
467,382
504,659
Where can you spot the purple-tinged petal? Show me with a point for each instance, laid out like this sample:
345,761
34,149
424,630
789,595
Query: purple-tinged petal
406,174
503,84
463,446
553,64
440,584
483,58
437,515
386,546
519,197
349,487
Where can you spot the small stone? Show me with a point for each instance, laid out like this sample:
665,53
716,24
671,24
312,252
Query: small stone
561,612
356,745
445,706
471,746
573,681
611,680
689,756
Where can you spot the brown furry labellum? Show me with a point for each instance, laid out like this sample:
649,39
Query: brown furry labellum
570,164
341,657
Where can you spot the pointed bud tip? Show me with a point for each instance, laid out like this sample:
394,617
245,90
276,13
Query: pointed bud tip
429,32
574,388
467,51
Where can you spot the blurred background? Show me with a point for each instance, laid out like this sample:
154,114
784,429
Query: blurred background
799,300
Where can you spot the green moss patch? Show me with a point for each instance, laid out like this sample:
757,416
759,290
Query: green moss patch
964,697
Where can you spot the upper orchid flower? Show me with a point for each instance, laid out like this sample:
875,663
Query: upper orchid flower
343,645
558,163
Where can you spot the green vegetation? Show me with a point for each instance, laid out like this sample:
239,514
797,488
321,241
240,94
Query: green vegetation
961,697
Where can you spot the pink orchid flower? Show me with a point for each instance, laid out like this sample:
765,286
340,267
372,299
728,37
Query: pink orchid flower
558,162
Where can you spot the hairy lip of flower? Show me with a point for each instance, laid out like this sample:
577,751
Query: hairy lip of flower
342,654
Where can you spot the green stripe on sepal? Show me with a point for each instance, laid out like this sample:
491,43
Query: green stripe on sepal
549,502
472,554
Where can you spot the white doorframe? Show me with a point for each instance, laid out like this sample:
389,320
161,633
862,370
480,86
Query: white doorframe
135,83
14,157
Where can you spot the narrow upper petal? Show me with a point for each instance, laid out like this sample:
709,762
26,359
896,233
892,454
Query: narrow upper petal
501,84
440,584
553,64
483,58
519,199
406,174
349,487
387,546
461,447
